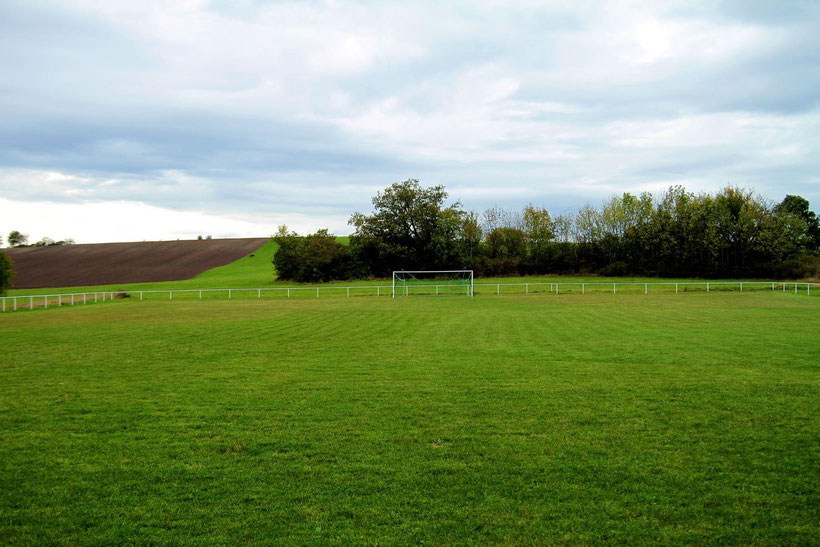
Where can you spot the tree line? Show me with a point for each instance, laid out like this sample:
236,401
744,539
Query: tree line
19,239
729,233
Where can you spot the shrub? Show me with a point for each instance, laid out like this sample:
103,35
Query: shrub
316,257
6,272
615,269
801,267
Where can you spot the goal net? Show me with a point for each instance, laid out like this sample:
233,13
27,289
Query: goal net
433,283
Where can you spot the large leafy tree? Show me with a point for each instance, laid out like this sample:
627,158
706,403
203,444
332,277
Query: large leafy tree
410,228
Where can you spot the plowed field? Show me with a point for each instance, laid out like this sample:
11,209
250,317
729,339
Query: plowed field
107,263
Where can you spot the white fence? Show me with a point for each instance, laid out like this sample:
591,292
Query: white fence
13,303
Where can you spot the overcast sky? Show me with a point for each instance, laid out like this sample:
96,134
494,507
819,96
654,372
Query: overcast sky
139,120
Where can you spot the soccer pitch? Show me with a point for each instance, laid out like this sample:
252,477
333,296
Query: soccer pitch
675,418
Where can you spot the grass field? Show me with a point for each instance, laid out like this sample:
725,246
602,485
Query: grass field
689,418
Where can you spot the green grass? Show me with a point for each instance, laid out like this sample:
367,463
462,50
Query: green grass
532,419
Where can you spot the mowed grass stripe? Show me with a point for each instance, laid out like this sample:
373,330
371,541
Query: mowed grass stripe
571,419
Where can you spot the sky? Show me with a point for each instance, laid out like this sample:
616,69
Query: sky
132,121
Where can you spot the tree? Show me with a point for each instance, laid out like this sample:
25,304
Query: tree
324,258
799,207
17,239
411,228
471,237
316,257
286,259
540,230
507,249
6,272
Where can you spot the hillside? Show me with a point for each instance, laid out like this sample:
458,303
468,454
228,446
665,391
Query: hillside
108,263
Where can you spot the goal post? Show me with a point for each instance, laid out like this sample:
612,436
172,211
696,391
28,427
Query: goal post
433,283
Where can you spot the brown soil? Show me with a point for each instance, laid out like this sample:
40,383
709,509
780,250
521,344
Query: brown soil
110,263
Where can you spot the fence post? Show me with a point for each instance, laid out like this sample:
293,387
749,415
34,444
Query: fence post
613,288
348,291
741,286
556,289
676,288
30,302
200,295
45,300
772,285
260,293
808,289
378,290
707,286
646,288
170,295
527,288
498,289
795,288
317,292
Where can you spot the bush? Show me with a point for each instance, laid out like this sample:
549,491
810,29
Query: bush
316,257
615,269
6,272
801,267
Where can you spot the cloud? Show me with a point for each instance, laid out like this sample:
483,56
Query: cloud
264,110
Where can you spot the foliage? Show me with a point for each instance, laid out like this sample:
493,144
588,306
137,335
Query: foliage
6,272
798,207
732,233
316,257
539,231
17,239
48,242
411,228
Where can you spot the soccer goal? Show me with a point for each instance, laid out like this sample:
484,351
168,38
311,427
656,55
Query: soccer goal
433,283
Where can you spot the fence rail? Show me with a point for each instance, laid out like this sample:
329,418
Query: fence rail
14,303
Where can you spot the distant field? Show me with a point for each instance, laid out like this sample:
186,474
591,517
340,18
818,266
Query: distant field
107,263
527,419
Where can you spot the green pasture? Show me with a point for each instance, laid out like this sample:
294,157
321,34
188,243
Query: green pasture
520,419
